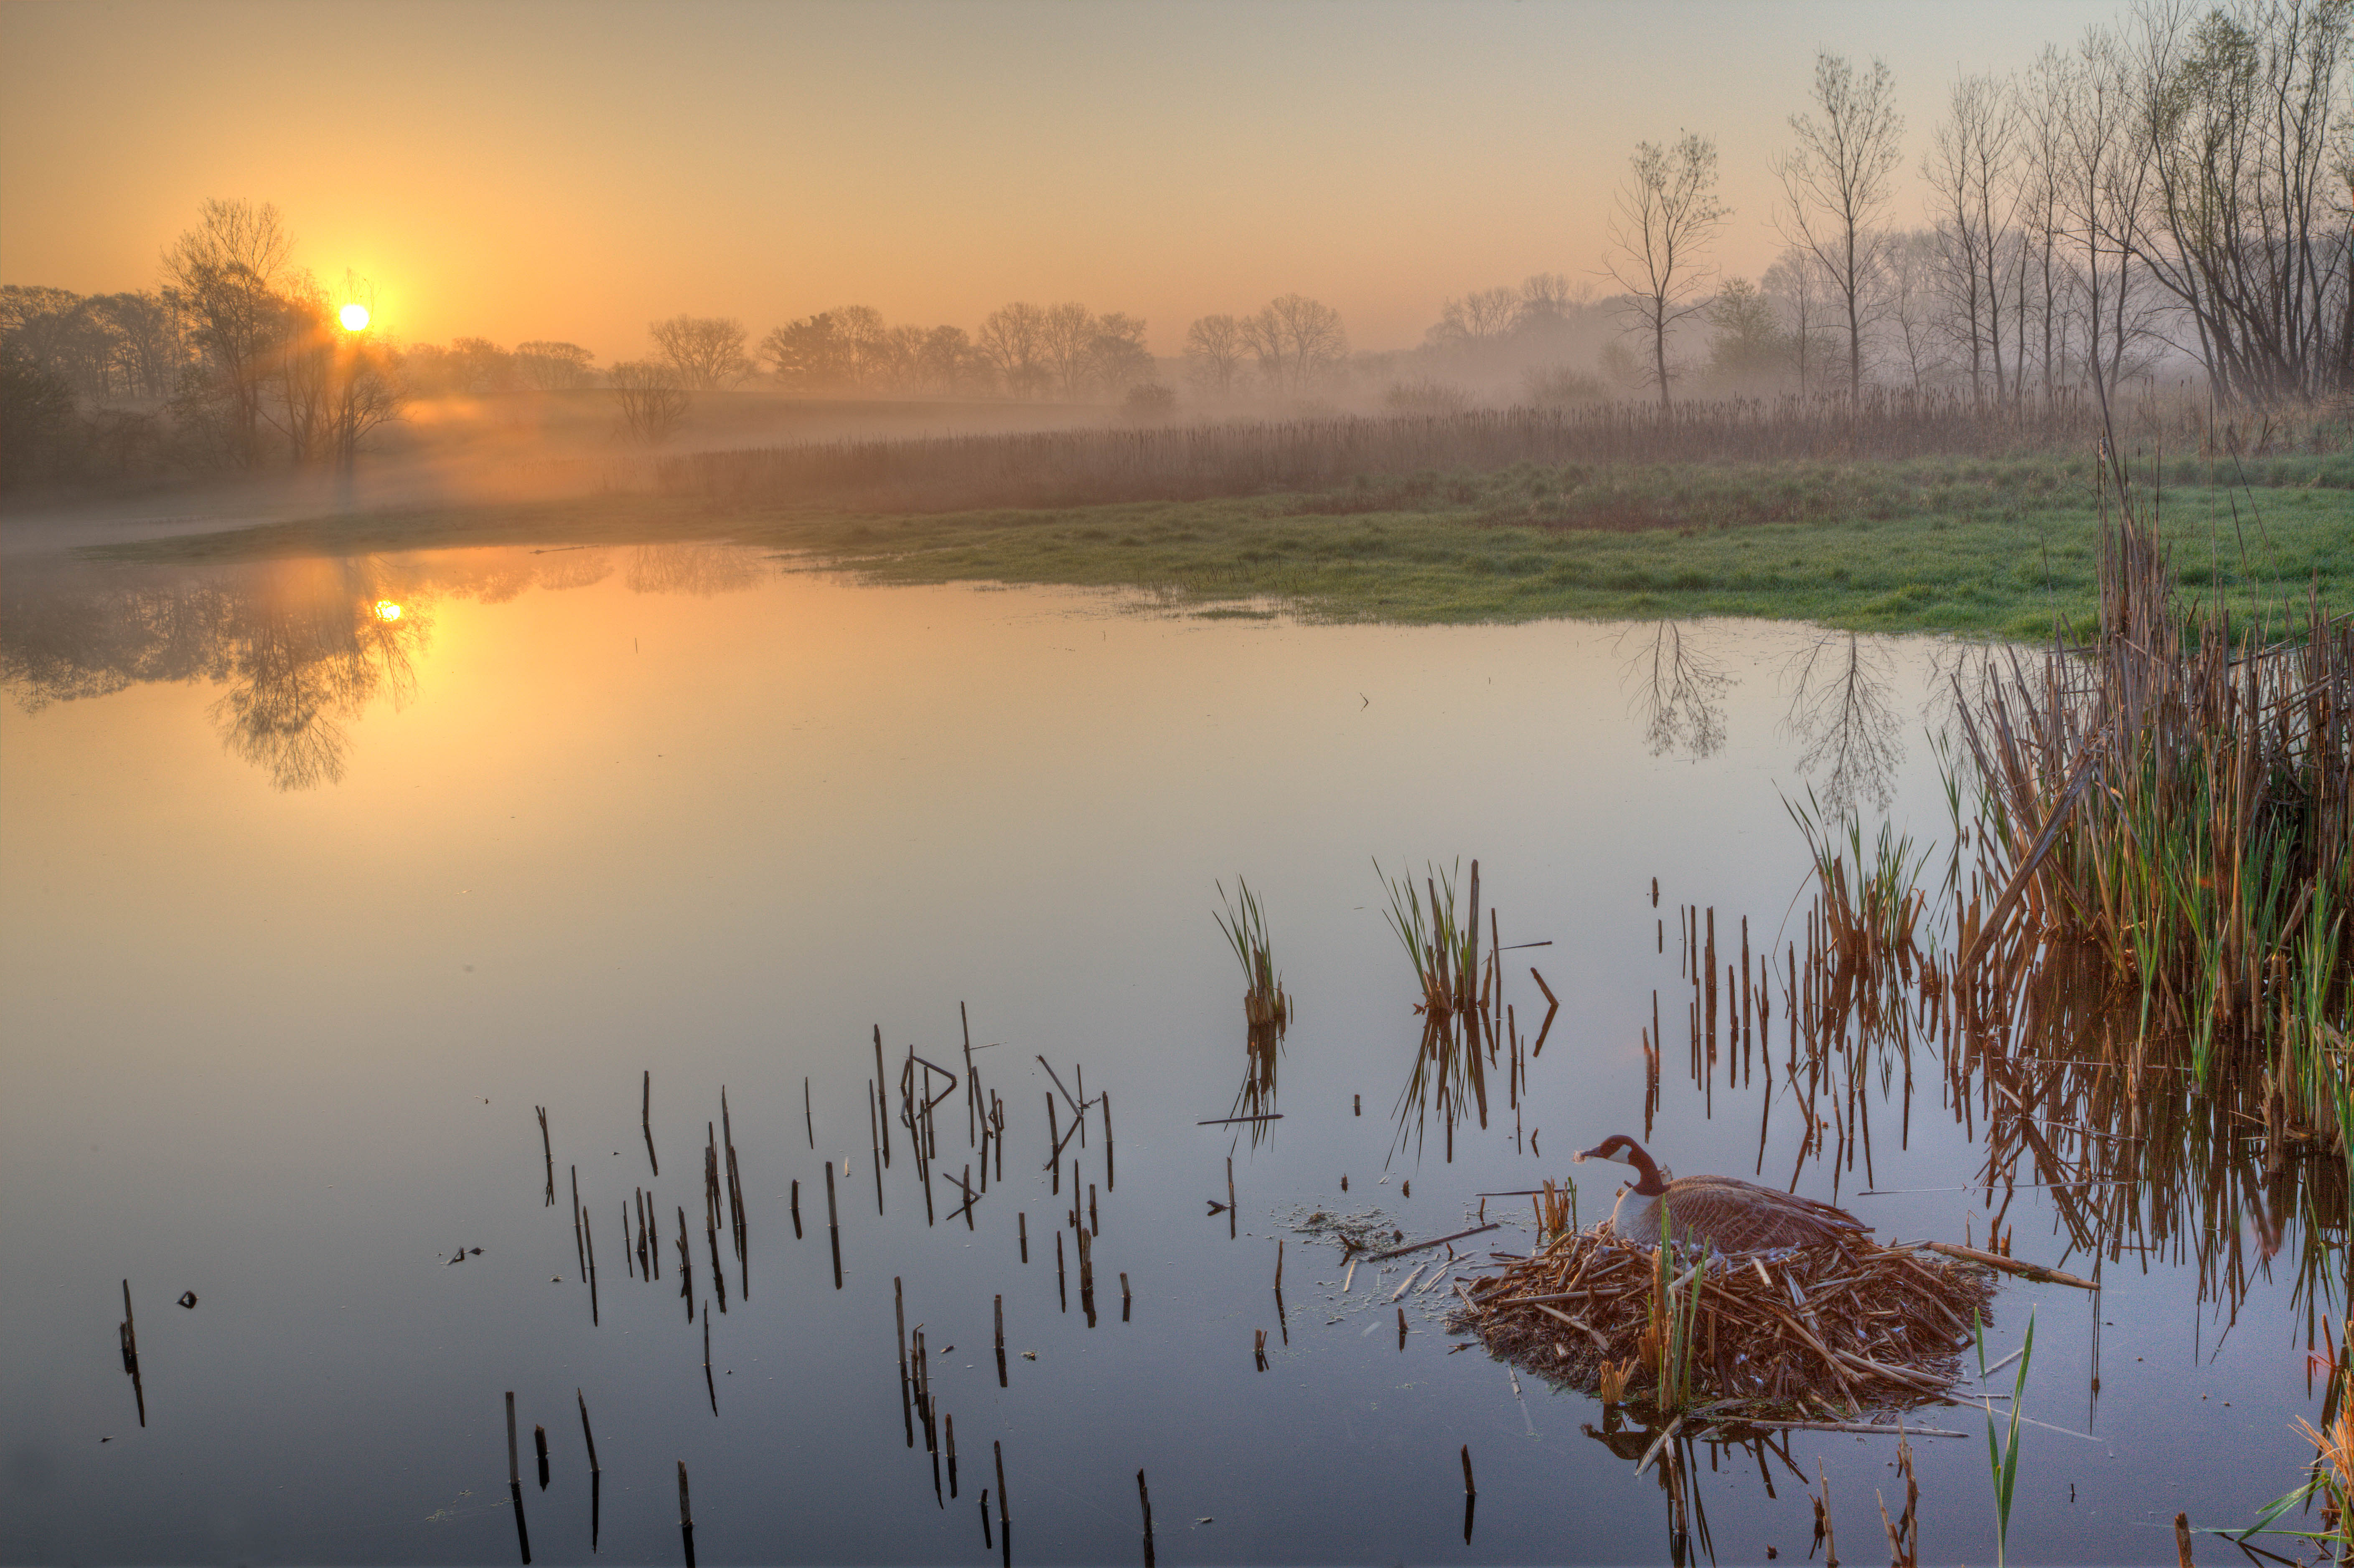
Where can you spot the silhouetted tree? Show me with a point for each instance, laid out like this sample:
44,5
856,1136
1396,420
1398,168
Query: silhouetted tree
706,353
226,272
1214,354
552,367
1297,340
651,402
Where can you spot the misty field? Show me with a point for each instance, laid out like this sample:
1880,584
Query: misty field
1988,545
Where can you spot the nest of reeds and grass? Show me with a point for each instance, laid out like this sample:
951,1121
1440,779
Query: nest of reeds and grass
1793,1333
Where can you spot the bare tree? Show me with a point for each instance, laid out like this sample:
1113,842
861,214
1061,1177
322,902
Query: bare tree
1065,333
1667,212
1748,346
1913,273
1479,317
1837,180
1795,282
1116,359
226,271
1012,340
548,365
652,403
1214,354
1297,340
1968,168
706,352
1547,298
947,360
2243,111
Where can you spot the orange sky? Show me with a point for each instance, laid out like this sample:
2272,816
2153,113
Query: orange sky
574,171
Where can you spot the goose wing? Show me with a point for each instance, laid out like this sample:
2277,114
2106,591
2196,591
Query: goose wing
1742,1216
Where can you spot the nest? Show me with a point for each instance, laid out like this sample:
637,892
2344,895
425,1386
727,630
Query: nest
1773,1333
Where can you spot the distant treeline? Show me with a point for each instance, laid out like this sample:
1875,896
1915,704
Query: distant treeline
2170,198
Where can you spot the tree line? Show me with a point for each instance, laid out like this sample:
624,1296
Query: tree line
2176,188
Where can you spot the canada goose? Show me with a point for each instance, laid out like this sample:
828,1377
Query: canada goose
1727,1213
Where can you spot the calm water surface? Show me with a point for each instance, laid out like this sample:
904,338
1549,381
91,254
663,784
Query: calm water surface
319,877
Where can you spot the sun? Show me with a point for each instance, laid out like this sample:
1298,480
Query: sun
355,317
387,610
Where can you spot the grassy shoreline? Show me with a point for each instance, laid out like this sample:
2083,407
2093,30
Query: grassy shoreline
1989,547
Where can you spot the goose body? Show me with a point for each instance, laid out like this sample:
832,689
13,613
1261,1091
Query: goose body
1723,1212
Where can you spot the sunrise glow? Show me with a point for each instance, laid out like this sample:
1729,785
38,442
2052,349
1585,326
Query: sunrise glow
355,317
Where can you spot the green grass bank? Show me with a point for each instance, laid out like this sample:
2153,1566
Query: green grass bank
2001,547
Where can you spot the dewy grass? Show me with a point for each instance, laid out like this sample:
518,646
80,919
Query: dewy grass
2008,547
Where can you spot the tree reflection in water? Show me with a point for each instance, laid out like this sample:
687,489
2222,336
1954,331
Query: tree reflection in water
1676,690
1841,715
304,647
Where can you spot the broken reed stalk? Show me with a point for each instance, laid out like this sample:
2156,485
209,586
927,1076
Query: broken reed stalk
539,1445
586,1435
797,1209
833,1225
880,1080
710,1387
515,1483
595,1318
1144,1497
646,1119
130,1337
685,1266
580,1247
1104,1100
999,1309
739,1222
1004,1515
874,1139
548,1151
685,1517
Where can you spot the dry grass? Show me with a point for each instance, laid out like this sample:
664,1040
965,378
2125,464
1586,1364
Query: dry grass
1879,1328
1182,462
2175,801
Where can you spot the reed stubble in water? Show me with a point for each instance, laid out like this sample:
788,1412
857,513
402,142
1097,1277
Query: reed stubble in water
515,1483
646,1120
128,1334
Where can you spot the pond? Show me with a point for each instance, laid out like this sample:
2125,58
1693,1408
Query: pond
322,878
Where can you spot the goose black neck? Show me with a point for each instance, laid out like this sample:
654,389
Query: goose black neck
1650,1185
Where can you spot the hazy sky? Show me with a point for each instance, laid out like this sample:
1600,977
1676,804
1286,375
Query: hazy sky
576,170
